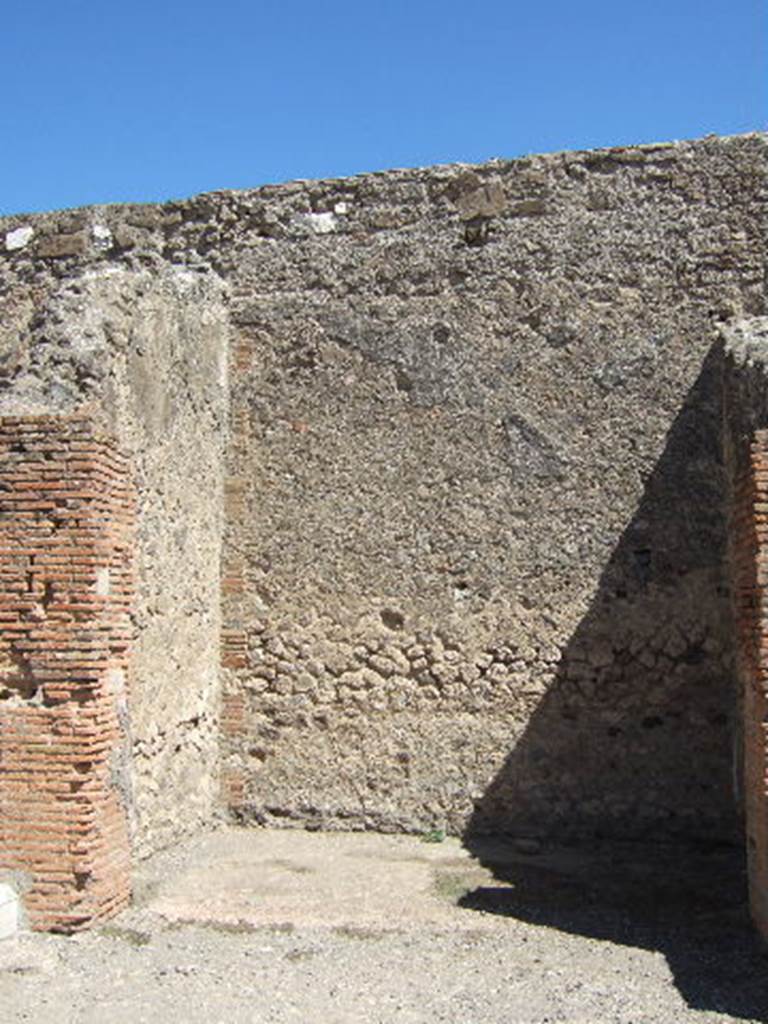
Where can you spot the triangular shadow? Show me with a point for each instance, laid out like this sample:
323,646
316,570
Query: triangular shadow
631,748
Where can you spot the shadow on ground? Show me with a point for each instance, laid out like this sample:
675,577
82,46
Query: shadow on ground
687,902
634,741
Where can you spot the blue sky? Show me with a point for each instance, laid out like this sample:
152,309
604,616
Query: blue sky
143,101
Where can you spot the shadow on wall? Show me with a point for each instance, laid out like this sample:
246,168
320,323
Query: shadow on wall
633,740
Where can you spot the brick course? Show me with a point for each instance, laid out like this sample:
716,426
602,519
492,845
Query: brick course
66,594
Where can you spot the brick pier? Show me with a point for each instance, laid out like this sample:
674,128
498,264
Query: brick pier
66,593
750,566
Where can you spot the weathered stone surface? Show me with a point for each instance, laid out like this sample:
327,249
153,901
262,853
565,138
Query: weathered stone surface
515,446
19,238
147,354
481,200
63,245
474,539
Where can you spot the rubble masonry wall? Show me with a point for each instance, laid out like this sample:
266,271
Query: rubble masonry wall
473,571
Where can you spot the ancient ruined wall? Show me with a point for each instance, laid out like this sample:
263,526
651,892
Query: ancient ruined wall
144,351
477,547
473,567
66,598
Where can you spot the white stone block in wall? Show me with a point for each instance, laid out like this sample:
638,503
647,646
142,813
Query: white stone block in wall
9,911
320,223
19,238
102,236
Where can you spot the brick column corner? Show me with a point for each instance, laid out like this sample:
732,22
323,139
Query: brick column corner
66,596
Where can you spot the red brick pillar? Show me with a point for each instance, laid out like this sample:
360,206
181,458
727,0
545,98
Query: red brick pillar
750,571
66,593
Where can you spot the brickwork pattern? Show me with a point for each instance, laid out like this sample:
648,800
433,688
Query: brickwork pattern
235,725
750,567
66,593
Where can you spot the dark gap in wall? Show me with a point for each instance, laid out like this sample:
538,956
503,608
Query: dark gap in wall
21,683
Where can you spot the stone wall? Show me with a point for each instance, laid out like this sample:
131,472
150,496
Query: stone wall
66,598
145,353
478,547
473,568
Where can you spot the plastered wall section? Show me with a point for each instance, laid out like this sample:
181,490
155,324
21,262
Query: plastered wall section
145,353
173,387
67,520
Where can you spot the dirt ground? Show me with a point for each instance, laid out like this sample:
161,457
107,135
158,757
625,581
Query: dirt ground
328,928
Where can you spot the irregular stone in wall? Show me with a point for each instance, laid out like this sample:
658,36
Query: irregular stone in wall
56,246
19,238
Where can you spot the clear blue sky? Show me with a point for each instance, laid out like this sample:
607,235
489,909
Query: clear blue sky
144,100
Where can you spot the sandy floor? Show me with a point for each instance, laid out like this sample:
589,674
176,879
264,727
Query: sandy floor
278,926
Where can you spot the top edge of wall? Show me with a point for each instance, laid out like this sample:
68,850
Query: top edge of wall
266,190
